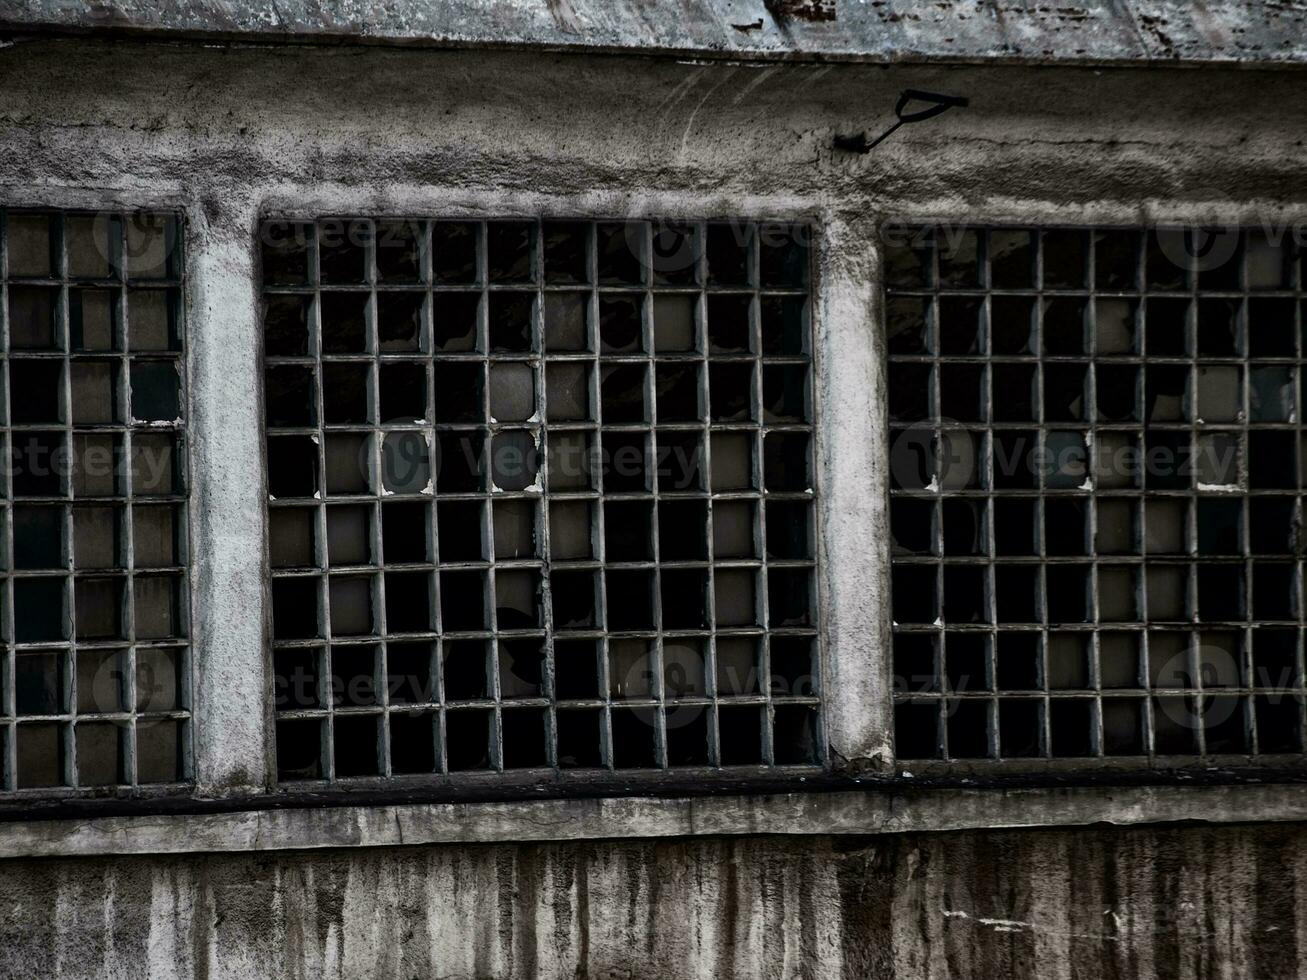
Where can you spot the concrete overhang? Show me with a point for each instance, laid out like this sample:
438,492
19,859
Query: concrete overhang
1253,33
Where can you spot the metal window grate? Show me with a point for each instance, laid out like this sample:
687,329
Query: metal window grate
93,521
1097,474
538,501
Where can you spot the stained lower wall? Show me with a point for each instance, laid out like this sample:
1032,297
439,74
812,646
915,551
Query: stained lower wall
1095,902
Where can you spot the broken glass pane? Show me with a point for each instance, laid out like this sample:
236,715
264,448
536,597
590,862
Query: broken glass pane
630,600
454,251
399,321
514,460
40,687
455,318
684,598
621,324
517,599
344,323
405,463
565,255
403,392
1271,394
398,247
521,669
156,391
511,321
405,531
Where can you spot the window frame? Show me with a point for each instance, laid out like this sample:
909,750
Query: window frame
233,751
549,776
854,726
63,205
1161,768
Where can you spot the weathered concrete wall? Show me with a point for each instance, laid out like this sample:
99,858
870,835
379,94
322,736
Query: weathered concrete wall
1093,903
228,132
225,132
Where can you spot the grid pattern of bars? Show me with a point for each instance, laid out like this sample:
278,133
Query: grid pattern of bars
92,525
540,496
1098,469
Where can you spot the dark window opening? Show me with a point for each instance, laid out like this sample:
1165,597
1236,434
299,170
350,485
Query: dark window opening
540,496
1097,489
94,660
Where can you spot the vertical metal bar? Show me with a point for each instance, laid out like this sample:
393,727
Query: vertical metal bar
657,648
1298,283
539,512
437,648
1041,491
1091,458
488,527
381,746
701,328
129,493
11,634
68,655
596,488
757,502
327,701
1243,347
987,511
1188,419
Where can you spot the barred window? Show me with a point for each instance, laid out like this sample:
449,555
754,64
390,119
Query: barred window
540,496
1096,505
94,609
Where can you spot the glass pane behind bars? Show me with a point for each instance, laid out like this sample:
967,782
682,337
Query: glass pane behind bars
94,613
1097,468
540,496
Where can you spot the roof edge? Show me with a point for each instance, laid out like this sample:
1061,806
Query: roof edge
1103,33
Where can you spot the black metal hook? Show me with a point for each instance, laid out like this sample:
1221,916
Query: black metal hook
938,104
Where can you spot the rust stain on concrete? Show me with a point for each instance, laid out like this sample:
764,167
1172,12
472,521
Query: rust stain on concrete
810,10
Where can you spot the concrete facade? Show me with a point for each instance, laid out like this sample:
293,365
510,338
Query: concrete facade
228,133
1167,902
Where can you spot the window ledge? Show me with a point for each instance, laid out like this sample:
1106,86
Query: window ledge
871,811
